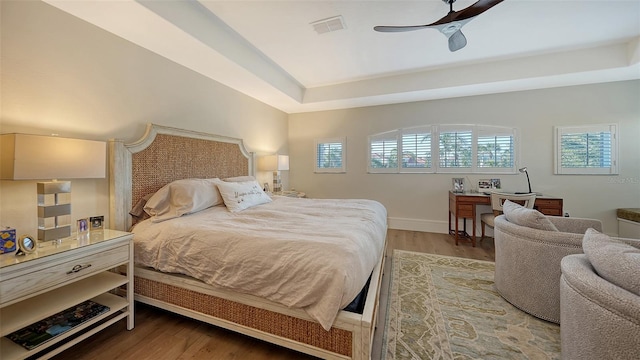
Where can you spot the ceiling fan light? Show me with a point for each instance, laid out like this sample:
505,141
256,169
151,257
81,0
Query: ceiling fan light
457,41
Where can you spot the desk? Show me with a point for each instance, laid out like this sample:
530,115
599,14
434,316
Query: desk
463,206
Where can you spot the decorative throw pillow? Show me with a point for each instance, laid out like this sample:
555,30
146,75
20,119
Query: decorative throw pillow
522,216
615,261
138,209
182,197
242,195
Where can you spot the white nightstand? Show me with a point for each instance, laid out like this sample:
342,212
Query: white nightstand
57,277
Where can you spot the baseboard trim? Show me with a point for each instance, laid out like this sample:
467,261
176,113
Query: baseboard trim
438,227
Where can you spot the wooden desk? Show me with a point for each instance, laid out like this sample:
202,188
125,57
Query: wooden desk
463,206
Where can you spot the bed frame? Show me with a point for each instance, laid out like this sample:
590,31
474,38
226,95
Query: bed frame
166,154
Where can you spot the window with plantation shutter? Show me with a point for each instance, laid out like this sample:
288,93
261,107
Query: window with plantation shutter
383,152
455,149
444,149
495,150
331,155
416,150
586,149
401,151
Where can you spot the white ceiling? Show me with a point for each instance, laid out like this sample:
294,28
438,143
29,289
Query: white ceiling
268,49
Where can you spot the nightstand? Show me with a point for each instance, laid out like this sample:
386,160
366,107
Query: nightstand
292,193
54,278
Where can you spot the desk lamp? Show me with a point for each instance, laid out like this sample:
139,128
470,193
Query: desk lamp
524,170
37,157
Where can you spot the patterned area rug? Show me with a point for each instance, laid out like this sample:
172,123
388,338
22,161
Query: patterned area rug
443,307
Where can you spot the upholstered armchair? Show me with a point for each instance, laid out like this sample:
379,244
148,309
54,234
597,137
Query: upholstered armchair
600,301
528,249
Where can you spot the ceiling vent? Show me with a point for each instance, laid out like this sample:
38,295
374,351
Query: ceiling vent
330,24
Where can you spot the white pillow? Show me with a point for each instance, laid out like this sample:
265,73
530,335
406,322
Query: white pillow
182,197
242,195
520,215
240,178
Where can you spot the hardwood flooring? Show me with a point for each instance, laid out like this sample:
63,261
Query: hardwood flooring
160,335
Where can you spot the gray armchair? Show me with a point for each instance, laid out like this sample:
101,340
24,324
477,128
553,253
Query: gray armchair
600,320
527,272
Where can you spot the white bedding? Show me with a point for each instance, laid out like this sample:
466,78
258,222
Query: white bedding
302,253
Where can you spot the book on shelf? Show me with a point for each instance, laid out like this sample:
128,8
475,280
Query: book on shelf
44,330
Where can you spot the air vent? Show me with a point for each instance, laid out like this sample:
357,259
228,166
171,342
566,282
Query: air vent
330,24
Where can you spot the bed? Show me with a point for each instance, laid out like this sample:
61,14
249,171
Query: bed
164,155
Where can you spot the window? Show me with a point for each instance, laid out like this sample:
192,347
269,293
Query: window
455,149
495,149
416,150
585,150
444,149
331,155
414,145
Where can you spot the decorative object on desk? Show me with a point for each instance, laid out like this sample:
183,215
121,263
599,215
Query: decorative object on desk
26,245
7,240
96,222
275,163
495,184
524,170
36,157
82,226
37,334
484,184
458,185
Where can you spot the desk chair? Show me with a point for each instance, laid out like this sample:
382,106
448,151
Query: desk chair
497,199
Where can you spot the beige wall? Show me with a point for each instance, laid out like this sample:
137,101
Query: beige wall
63,75
419,201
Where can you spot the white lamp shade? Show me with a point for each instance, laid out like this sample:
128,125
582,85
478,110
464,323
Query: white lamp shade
273,163
37,157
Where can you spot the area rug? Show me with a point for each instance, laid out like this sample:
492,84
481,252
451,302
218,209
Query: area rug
443,307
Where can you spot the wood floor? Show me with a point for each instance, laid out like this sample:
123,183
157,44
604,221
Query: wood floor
160,335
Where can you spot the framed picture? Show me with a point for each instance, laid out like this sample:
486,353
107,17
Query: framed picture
458,185
82,226
266,187
484,184
96,222
495,183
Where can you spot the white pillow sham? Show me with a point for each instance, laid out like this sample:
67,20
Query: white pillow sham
182,197
240,178
238,196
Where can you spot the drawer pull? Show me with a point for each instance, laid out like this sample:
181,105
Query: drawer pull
77,268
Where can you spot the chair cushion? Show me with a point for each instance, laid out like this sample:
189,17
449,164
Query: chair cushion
614,260
488,219
520,215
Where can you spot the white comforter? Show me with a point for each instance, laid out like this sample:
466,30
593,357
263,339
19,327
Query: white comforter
302,253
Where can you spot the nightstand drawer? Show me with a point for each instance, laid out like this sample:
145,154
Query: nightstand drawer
50,275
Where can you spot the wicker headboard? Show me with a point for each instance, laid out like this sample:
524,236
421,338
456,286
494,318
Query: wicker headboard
166,154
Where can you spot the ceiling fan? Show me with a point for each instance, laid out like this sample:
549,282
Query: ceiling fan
451,24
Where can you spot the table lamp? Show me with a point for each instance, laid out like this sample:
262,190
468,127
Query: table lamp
37,157
524,170
275,163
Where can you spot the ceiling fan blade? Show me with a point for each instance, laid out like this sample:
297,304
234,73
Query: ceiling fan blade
467,13
398,28
457,41
476,9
